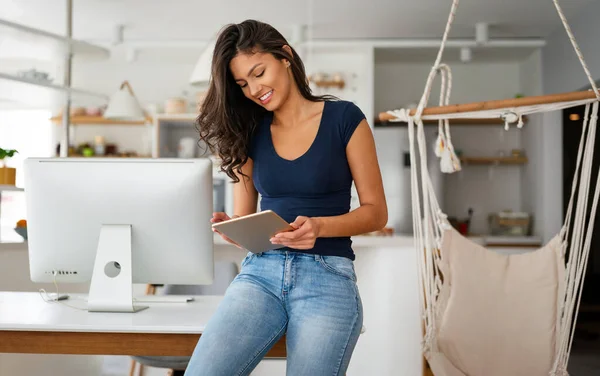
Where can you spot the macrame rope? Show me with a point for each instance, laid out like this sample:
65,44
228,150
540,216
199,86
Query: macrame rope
580,243
438,60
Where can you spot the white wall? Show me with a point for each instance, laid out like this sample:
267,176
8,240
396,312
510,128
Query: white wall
155,75
356,66
484,189
561,68
532,141
398,83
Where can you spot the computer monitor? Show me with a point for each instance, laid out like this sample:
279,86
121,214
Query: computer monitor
118,221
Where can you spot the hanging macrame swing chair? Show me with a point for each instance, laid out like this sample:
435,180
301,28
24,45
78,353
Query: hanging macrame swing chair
484,313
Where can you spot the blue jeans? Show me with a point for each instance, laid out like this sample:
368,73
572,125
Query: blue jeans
311,299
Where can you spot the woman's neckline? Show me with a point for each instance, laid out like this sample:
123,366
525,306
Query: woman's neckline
311,145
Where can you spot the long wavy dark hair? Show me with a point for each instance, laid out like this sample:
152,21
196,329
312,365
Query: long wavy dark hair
227,119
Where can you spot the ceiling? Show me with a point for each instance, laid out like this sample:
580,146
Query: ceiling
156,20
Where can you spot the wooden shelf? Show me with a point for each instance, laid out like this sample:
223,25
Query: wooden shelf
473,122
177,117
493,160
97,120
46,44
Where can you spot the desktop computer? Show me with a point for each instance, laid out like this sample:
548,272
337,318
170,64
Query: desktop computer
118,221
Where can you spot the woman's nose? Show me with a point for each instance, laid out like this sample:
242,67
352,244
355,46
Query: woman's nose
254,89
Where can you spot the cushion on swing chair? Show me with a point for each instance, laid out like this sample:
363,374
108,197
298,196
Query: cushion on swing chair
501,313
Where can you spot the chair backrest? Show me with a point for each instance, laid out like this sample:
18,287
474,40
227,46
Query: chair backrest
225,272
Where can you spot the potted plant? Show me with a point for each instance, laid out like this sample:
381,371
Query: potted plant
7,174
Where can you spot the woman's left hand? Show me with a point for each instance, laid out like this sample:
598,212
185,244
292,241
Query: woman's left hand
303,237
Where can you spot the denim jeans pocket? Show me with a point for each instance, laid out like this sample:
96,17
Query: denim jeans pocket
248,258
339,265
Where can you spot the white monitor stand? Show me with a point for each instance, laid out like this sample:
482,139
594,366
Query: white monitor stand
111,287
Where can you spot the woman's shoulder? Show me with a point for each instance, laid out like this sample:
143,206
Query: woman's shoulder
347,115
346,111
343,105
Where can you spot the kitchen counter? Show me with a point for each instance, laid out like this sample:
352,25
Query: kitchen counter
357,242
362,241
398,240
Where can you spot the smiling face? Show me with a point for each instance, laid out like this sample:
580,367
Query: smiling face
262,78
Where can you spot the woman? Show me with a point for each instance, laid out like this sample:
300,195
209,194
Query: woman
301,152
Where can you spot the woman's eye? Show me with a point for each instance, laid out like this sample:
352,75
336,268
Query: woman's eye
243,85
260,74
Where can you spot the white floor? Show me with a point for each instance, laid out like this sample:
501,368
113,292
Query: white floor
119,366
77,365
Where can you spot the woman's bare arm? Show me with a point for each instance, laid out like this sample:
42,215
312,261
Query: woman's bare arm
245,196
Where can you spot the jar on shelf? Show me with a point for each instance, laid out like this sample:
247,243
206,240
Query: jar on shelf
176,106
99,145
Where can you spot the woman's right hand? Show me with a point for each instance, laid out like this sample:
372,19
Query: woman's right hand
222,217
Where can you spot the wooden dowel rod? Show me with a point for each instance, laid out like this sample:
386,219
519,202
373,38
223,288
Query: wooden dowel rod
498,104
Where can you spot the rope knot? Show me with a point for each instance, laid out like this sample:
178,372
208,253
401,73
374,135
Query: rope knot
401,115
511,117
520,123
443,216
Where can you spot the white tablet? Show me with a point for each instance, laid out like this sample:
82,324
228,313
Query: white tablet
254,231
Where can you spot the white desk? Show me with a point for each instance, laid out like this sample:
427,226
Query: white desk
30,325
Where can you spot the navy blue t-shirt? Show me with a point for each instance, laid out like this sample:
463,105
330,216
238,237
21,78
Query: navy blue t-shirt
318,183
